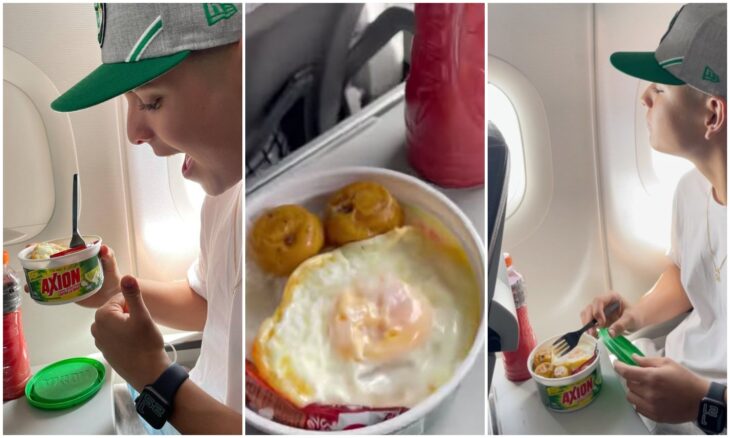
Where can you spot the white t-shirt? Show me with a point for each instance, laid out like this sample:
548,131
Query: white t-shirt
699,342
216,276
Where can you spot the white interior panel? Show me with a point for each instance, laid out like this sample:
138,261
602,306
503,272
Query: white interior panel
555,235
27,171
55,46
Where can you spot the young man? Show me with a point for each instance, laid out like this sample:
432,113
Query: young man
686,116
179,67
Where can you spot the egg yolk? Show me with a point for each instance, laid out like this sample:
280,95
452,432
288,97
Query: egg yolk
284,237
380,322
359,211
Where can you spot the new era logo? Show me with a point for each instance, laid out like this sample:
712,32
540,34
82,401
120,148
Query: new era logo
709,75
215,12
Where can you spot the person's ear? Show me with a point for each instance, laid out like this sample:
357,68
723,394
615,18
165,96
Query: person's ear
716,116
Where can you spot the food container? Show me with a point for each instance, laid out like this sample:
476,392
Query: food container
312,189
573,392
65,279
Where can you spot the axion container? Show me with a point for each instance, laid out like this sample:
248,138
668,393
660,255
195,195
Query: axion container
573,392
67,278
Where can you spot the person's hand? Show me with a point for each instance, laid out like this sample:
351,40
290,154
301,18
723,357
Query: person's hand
128,338
620,321
663,390
110,287
112,277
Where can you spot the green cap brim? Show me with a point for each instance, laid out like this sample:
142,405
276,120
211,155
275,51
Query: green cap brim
643,65
111,80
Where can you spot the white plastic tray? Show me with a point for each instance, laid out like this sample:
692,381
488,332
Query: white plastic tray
95,417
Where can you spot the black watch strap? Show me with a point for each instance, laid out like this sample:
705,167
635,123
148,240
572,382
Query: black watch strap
712,417
169,381
716,392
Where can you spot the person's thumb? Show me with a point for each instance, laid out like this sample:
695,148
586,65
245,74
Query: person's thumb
133,297
619,326
108,261
647,361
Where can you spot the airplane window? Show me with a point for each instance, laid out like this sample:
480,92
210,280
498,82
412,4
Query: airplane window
659,175
502,113
668,168
165,211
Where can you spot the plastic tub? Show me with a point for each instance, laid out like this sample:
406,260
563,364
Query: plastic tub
570,393
310,188
65,279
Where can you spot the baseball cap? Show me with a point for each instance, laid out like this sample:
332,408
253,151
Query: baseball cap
693,51
141,41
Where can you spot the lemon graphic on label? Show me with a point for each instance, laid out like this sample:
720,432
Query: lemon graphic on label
92,275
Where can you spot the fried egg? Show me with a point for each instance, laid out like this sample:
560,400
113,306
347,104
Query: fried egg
381,322
582,353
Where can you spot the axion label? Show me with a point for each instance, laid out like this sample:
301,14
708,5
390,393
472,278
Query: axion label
65,283
573,395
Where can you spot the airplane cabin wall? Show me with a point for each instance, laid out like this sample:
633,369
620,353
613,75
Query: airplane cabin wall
60,42
555,235
600,218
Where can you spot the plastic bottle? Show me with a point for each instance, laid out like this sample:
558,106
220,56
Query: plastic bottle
16,366
445,94
515,362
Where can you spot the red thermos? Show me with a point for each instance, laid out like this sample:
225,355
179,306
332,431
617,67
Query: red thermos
16,366
515,362
445,94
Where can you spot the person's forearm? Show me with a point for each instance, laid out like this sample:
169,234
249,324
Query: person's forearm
174,304
665,300
196,412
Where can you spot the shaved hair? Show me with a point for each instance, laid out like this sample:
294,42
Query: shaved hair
214,61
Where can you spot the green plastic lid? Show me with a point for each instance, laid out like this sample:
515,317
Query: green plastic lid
66,383
621,347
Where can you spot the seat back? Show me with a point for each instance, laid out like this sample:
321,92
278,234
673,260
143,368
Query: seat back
295,71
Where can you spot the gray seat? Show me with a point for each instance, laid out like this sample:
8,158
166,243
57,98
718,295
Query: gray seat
299,58
501,325
658,332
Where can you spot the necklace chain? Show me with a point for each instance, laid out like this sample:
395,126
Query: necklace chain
709,243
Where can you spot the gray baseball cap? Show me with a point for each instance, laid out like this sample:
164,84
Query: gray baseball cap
693,51
141,41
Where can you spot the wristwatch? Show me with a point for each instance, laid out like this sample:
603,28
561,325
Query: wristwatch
154,404
712,417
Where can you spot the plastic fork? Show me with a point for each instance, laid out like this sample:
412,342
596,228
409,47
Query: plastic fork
568,341
76,239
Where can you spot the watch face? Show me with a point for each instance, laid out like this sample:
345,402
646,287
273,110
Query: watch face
712,416
152,408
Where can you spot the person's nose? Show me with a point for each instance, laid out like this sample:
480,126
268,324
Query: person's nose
646,97
138,130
